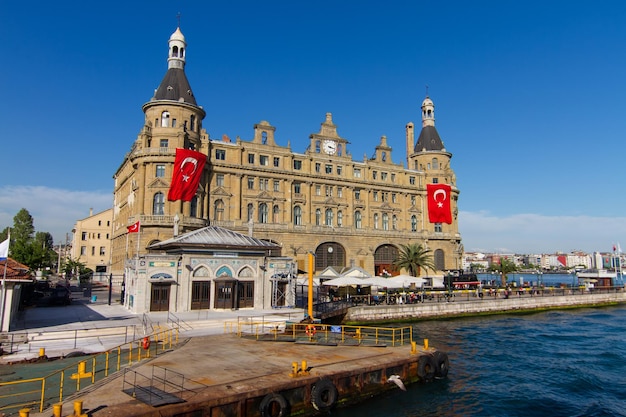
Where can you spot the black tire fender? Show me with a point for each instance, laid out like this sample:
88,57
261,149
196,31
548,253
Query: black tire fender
426,368
274,405
442,364
324,395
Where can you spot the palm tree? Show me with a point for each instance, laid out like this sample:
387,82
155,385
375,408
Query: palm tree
504,267
413,258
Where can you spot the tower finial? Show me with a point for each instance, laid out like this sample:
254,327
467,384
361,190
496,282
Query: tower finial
178,18
426,90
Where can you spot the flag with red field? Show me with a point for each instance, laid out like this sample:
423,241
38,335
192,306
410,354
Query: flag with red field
133,228
188,168
439,203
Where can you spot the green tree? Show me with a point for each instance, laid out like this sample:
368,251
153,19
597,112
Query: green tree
505,267
413,258
27,247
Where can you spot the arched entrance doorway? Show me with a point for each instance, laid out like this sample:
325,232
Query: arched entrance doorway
383,259
330,254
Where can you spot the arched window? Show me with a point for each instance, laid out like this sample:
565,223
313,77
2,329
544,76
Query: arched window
329,217
317,146
224,271
339,149
193,207
394,222
318,217
201,272
384,156
297,216
264,138
339,218
246,272
414,223
435,163
250,211
218,210
375,220
165,119
439,260
175,51
262,213
158,204
275,213
385,221
357,219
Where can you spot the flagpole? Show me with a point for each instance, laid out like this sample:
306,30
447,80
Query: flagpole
4,286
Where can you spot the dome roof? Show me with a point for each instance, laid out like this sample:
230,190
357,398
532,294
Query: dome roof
177,36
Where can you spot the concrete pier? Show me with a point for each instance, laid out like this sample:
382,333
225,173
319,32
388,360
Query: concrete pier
231,375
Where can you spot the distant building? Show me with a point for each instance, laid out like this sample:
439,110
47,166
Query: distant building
91,243
309,196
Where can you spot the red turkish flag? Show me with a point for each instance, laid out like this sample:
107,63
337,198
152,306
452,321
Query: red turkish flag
133,228
439,203
188,168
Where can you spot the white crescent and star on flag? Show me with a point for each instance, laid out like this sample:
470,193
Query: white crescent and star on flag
188,160
133,228
440,202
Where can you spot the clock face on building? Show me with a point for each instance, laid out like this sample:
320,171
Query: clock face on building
330,147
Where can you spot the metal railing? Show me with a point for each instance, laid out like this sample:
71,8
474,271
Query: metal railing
41,393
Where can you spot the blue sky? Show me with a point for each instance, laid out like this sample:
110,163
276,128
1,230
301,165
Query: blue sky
528,98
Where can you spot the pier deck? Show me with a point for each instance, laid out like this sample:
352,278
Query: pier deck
225,369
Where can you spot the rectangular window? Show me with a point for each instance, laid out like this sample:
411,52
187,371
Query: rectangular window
329,169
329,191
83,236
99,222
276,162
412,200
163,143
102,248
339,169
318,190
297,165
393,177
438,228
357,194
250,183
339,192
173,122
297,188
219,180
276,185
98,235
435,180
93,251
357,173
83,250
160,171
220,154
318,167
264,160
383,176
375,195
412,180
263,183
374,175
393,198
251,158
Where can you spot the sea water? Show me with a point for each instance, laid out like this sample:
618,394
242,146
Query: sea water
556,363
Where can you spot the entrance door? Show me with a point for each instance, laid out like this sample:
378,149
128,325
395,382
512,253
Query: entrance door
200,295
160,297
224,294
246,294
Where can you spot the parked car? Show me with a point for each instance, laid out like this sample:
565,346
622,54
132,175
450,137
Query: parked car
61,295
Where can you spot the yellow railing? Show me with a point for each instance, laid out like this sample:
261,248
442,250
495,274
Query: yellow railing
322,333
40,393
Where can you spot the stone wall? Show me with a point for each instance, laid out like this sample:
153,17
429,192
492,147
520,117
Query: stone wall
383,313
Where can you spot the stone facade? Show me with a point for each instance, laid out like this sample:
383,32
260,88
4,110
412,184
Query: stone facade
306,196
91,243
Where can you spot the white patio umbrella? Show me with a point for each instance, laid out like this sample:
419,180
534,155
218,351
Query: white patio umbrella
407,280
344,281
380,282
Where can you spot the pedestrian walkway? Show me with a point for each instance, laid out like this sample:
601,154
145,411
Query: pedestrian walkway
91,325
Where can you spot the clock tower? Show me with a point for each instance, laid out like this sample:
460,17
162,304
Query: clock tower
327,142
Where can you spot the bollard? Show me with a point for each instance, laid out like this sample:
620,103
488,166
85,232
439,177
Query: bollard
425,344
78,407
42,352
57,410
304,367
294,368
413,347
24,412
